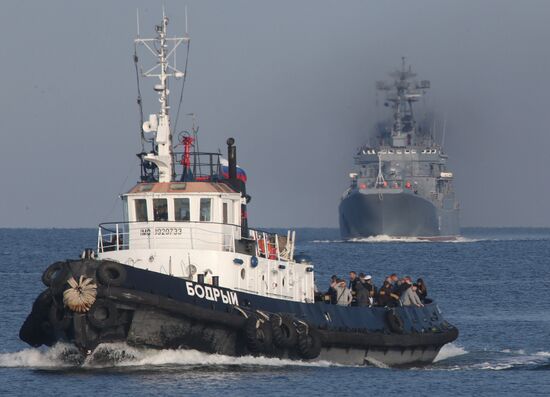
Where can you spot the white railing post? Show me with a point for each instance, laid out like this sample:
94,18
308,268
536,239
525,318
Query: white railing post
255,236
277,247
99,240
266,246
116,229
293,244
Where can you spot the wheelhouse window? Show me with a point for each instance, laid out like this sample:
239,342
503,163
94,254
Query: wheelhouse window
182,209
160,209
205,210
224,213
140,206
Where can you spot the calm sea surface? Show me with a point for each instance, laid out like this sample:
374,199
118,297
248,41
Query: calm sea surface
493,284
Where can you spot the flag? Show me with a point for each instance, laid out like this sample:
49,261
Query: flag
224,170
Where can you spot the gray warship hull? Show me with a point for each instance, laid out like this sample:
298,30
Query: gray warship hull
396,214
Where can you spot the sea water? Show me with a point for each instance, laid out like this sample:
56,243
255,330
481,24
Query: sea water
491,283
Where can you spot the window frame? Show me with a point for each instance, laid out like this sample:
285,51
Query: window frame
136,212
201,200
156,199
175,212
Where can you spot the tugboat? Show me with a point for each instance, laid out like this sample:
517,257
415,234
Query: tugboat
184,271
402,187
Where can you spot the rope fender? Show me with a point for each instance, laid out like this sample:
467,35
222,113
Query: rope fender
81,295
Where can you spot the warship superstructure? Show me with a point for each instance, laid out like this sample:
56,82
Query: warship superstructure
401,186
184,270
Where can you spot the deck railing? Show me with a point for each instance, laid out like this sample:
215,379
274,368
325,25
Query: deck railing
192,235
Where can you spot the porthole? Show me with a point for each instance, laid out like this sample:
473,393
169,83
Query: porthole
243,273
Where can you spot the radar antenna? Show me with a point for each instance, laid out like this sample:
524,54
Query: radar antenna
402,93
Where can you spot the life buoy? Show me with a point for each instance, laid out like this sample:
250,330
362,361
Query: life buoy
111,273
395,322
284,331
103,314
258,334
55,276
309,342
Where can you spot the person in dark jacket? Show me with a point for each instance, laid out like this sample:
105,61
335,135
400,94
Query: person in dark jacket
366,280
362,292
353,280
404,284
422,290
393,280
331,293
384,294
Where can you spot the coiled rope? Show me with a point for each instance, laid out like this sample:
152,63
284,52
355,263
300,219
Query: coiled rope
81,296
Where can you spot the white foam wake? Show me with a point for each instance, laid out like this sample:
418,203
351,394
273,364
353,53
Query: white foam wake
36,358
450,350
392,239
122,355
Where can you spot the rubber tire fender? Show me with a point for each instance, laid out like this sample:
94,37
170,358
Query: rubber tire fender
55,276
309,343
284,331
259,336
111,273
103,314
395,322
59,318
43,302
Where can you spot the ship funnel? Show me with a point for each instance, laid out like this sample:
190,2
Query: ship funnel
237,184
232,159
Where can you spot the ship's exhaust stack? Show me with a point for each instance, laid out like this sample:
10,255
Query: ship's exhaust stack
232,159
237,184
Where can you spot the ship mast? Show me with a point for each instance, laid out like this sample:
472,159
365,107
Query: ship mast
163,49
402,93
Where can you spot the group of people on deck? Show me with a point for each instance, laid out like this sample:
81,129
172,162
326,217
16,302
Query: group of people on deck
361,291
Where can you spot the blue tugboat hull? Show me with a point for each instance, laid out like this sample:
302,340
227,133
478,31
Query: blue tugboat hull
151,309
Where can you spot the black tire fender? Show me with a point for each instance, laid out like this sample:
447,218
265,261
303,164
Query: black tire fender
59,318
111,273
395,322
259,335
43,302
56,275
103,314
284,330
309,342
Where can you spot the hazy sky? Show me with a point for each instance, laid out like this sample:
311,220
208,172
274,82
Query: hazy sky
292,81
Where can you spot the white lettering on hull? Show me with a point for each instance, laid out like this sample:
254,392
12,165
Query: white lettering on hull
212,293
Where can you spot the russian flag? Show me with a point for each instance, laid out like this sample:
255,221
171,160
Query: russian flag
224,170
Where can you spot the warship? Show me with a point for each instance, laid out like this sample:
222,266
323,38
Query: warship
183,269
401,186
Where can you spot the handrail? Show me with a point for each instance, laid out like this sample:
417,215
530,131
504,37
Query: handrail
115,236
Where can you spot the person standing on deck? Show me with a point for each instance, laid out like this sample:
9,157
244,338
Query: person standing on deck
362,292
343,294
353,281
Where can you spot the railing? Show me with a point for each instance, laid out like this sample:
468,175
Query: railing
204,166
273,246
192,235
